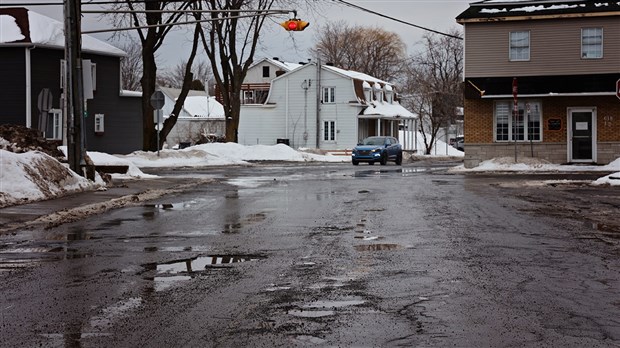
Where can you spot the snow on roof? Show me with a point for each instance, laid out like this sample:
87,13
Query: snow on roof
393,110
288,66
197,107
173,93
508,8
44,31
355,75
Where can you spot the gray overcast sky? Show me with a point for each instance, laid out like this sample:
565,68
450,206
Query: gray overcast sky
293,46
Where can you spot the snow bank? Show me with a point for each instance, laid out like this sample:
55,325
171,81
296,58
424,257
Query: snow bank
219,154
33,176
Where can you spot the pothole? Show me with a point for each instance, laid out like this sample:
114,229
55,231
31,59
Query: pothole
377,247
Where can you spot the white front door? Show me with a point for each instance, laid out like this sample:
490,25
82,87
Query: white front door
581,135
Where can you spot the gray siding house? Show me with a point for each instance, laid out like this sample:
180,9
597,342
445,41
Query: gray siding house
563,59
31,59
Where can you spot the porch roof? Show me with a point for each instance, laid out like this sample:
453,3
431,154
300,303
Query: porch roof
386,110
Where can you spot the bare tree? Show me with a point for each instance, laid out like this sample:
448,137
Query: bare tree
230,43
131,66
158,24
174,76
433,84
371,50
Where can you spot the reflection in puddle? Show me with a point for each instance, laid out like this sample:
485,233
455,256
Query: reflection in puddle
367,238
171,273
310,339
382,172
335,304
444,182
310,314
377,247
160,206
110,224
611,231
249,219
152,249
200,263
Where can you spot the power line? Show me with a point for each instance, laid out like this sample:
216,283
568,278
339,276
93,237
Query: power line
397,20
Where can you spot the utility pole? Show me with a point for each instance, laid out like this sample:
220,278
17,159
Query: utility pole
74,92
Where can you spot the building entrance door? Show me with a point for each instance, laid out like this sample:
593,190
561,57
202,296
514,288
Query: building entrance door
581,135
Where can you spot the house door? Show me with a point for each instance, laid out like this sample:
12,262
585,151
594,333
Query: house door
581,135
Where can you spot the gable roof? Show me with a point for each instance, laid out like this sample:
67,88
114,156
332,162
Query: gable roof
355,75
19,26
490,10
286,66
197,103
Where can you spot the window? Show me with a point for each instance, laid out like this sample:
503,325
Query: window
527,123
329,94
519,45
592,43
54,125
99,118
265,71
248,97
329,131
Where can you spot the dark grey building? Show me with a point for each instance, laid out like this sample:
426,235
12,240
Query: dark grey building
31,60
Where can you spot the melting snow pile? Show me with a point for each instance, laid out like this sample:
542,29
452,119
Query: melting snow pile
33,176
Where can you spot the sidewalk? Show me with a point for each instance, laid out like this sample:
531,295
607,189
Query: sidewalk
122,192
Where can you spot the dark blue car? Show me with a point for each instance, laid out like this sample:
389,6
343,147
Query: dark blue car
378,149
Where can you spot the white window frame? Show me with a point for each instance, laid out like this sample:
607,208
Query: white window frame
329,131
513,57
584,46
55,118
507,108
329,95
99,123
248,96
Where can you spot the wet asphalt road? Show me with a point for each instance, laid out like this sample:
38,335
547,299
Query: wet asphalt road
319,255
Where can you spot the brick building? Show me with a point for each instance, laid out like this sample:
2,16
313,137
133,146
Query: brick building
563,57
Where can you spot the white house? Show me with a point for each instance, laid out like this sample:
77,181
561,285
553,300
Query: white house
320,106
255,87
201,118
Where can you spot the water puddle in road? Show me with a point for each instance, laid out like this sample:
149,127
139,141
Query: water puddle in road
247,220
443,182
609,230
606,228
333,304
382,172
367,238
310,314
377,247
110,224
171,273
164,206
305,339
